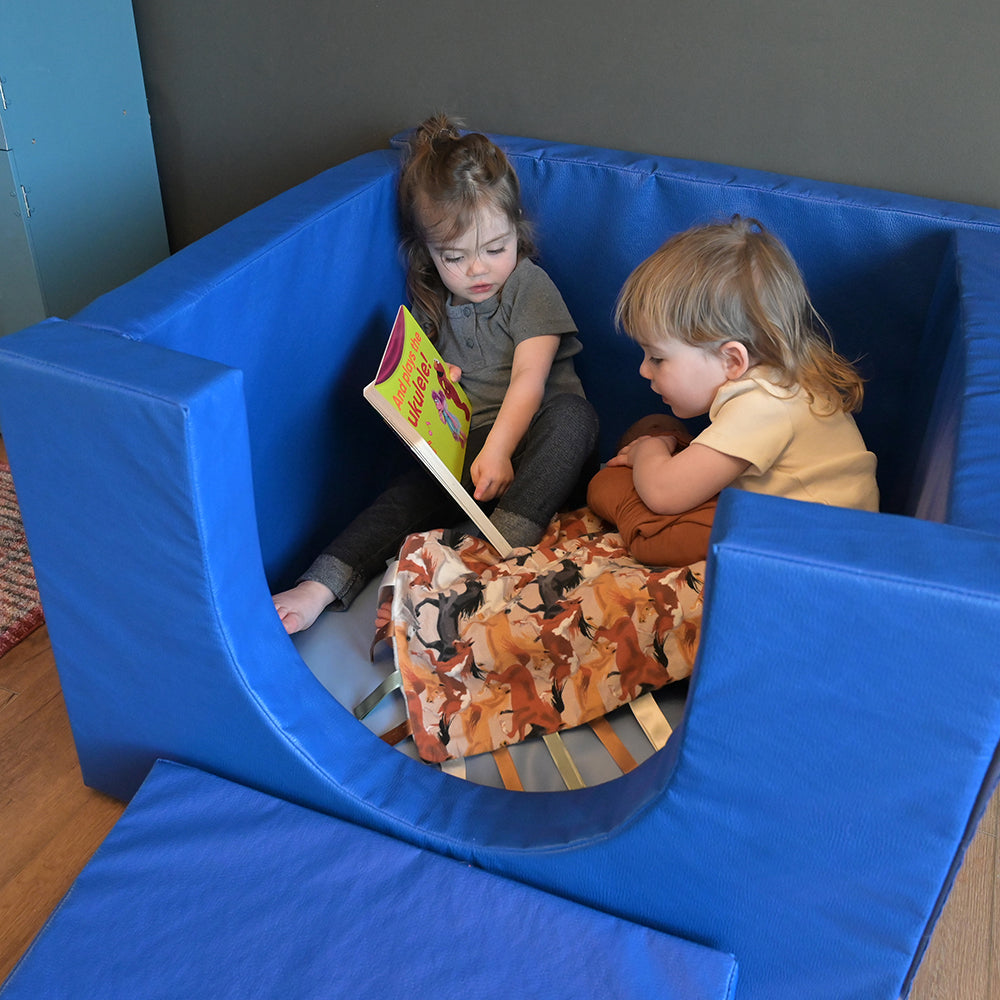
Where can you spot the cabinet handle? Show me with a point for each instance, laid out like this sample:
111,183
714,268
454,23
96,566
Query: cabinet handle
27,207
3,97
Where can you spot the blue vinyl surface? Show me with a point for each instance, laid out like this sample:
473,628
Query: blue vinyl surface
208,889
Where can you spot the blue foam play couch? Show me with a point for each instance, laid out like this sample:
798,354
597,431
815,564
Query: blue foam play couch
185,444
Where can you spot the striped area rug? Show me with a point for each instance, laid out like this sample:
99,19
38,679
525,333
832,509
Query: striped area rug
20,610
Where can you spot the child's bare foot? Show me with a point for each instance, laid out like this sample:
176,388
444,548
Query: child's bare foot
299,607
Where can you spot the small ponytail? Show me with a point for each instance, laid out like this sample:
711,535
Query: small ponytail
437,128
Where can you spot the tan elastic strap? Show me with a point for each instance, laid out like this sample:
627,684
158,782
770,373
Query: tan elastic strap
455,766
613,744
393,681
508,770
397,734
564,763
650,717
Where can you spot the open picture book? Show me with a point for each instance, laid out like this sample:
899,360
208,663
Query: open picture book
418,400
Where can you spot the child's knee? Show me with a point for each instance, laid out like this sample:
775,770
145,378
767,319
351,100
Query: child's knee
566,427
576,416
657,425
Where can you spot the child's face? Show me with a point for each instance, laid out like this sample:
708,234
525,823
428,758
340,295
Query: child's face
475,264
686,378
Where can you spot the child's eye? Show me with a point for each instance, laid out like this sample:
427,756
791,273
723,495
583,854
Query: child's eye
451,258
497,250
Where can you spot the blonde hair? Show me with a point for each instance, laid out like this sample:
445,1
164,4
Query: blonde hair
446,180
735,281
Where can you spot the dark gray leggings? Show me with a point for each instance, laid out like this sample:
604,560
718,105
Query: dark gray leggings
552,466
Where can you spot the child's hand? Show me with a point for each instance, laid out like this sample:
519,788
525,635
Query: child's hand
454,372
628,454
492,474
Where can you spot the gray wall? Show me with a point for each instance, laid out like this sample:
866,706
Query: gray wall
248,97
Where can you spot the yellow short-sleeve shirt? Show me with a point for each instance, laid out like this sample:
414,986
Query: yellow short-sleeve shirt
795,450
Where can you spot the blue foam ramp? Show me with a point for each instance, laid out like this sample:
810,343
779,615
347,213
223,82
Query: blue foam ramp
207,888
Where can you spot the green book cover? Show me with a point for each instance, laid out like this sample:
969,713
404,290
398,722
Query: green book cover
413,379
415,395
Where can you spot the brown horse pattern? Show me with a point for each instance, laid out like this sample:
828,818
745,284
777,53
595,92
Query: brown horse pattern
493,651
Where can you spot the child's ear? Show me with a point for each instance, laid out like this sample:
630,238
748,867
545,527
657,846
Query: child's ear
735,359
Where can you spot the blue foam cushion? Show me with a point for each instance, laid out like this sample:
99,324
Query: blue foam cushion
206,888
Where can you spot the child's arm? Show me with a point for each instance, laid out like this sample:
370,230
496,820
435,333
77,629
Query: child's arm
492,472
672,484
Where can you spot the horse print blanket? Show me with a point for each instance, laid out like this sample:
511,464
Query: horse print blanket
492,651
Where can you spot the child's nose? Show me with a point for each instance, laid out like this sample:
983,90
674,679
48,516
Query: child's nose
477,265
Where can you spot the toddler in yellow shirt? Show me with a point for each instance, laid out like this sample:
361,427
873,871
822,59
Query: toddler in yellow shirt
727,328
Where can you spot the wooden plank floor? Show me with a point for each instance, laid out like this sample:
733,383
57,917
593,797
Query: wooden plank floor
50,824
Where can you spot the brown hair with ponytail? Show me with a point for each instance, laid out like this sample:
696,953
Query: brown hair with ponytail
447,178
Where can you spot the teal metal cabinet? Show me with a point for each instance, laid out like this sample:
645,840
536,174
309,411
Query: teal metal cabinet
20,297
80,206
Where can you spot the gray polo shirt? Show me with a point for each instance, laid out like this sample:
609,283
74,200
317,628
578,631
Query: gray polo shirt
480,338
